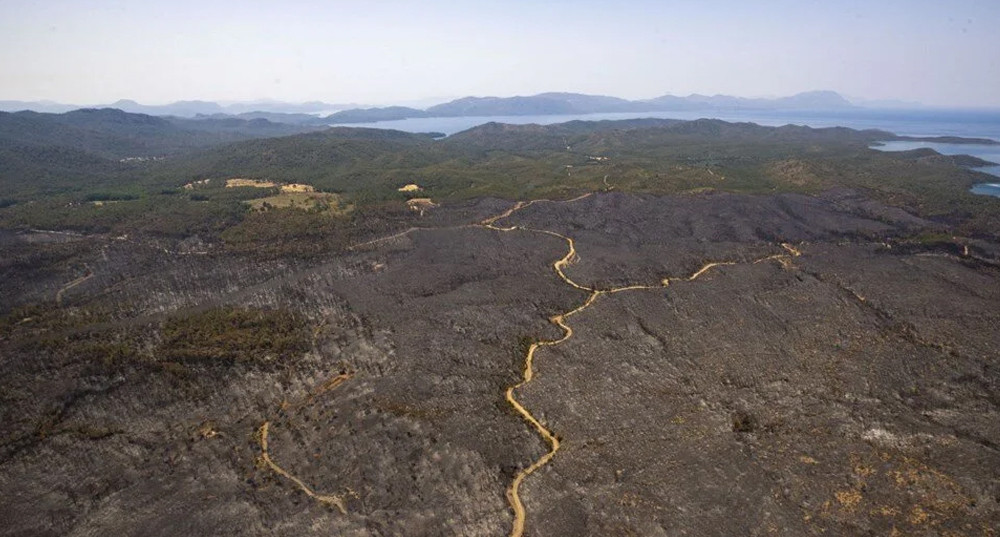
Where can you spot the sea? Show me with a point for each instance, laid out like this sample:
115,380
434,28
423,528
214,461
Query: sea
923,123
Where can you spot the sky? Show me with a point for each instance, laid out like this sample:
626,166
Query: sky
385,51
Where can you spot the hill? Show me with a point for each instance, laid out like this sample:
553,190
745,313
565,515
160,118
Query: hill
542,104
365,115
551,103
182,108
88,148
52,171
112,133
576,103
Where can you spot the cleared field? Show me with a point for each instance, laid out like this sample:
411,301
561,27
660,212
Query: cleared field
238,182
297,187
318,201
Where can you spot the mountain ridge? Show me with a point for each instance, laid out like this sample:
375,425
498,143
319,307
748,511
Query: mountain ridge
555,103
547,103
114,134
182,108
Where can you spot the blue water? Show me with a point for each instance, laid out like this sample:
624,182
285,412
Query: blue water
923,123
990,153
966,123
987,189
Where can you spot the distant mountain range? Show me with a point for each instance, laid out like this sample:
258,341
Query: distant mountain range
541,104
576,103
45,152
182,108
113,134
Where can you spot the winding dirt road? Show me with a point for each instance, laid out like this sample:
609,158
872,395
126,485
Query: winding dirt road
513,496
560,320
72,284
336,500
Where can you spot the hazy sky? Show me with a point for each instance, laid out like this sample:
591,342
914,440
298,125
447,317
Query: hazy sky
87,52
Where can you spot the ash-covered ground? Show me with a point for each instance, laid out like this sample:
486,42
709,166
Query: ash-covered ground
829,376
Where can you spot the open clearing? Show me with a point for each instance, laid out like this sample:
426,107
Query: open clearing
323,201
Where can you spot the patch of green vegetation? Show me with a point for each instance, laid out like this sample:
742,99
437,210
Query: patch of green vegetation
278,233
84,335
363,168
158,214
41,320
221,194
234,335
283,232
111,196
